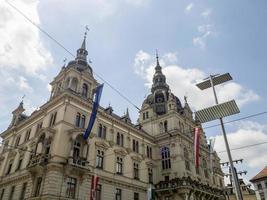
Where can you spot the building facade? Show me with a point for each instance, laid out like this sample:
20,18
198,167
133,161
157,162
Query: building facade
44,155
260,184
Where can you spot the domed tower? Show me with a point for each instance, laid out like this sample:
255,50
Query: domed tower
76,77
161,106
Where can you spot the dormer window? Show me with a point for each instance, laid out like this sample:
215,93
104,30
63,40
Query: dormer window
85,90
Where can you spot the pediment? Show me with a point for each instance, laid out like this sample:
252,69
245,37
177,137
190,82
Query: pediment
120,151
136,158
102,144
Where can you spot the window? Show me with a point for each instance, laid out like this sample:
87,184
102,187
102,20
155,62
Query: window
17,141
83,121
99,159
205,167
84,90
119,165
165,126
144,116
165,155
23,191
98,192
135,146
136,171
9,167
19,164
147,115
27,135
38,186
78,118
149,152
118,194
2,193
262,196
136,196
76,150
187,161
102,131
71,187
6,145
259,186
38,127
11,193
150,175
265,184
120,139
53,119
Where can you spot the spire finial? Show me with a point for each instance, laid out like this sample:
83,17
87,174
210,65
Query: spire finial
157,57
64,62
22,98
84,37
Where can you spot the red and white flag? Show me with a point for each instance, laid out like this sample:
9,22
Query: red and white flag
94,183
197,145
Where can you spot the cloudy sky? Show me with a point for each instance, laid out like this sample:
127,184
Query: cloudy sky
194,39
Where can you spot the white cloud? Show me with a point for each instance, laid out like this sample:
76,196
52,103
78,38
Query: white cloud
248,133
205,32
23,84
182,82
20,44
206,13
189,7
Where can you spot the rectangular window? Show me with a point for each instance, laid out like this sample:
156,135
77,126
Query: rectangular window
136,171
2,194
38,186
149,152
17,141
27,135
11,193
144,116
23,191
118,194
150,175
136,196
9,167
135,146
53,119
119,165
100,159
98,192
19,164
71,187
38,127
147,115
259,187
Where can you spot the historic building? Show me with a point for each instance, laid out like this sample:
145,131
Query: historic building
44,155
260,184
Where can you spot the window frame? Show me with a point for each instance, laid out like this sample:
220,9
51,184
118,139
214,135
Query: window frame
71,186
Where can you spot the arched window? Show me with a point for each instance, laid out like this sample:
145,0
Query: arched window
166,126
67,82
74,83
76,150
165,156
84,90
187,161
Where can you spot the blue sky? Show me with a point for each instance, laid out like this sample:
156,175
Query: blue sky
194,39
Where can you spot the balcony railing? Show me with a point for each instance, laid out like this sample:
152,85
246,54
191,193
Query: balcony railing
39,159
79,162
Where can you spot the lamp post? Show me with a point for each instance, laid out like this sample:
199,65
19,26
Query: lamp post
218,112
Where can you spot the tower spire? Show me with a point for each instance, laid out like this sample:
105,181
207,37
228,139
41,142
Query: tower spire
82,52
157,57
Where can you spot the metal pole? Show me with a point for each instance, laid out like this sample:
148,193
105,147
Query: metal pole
236,182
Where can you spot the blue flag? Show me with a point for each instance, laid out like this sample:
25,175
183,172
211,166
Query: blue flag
94,111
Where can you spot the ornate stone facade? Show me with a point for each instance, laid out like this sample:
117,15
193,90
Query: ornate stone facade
44,155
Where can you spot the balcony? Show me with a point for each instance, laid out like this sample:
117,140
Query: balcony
37,162
78,162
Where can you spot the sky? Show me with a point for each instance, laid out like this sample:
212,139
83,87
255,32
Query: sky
194,39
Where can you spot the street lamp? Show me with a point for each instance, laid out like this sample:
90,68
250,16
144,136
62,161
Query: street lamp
218,112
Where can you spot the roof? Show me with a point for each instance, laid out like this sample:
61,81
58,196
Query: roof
260,175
